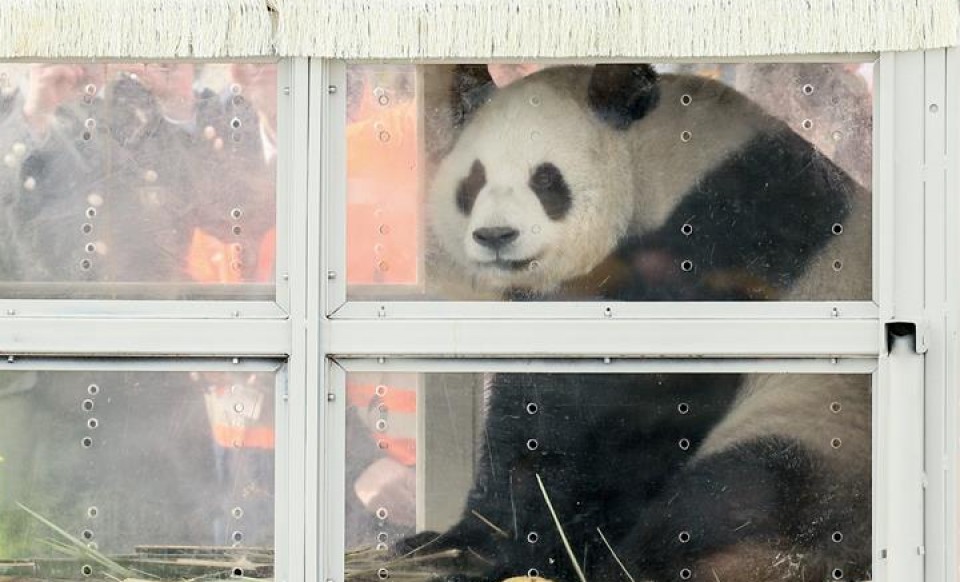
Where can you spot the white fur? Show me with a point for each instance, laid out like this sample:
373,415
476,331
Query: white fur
524,126
621,180
630,181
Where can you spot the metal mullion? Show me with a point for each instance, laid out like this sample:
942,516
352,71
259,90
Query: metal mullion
613,338
898,410
293,443
614,366
12,310
289,166
935,377
707,60
608,309
140,364
951,308
286,558
100,337
333,141
317,534
332,550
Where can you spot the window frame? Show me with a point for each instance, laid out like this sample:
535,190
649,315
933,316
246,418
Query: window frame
318,334
13,311
403,335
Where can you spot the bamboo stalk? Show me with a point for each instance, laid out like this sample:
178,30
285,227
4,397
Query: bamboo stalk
615,556
563,535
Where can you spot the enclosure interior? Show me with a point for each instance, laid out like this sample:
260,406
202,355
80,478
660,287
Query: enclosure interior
138,180
159,181
523,460
115,471
402,121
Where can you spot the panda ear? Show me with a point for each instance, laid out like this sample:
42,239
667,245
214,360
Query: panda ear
472,87
622,94
451,93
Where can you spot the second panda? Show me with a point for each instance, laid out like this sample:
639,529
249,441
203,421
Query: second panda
617,183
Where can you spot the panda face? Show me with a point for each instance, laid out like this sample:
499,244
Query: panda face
534,192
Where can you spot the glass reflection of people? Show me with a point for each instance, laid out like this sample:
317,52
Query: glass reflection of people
384,180
132,173
137,168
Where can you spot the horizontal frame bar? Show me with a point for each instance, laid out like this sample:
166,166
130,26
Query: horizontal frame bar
824,310
149,364
694,338
144,337
614,366
149,309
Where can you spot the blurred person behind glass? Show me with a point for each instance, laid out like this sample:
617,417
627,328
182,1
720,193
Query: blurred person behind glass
111,174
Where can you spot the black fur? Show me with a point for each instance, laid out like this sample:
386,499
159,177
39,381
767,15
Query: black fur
608,447
605,445
749,228
622,94
551,189
757,493
470,187
472,87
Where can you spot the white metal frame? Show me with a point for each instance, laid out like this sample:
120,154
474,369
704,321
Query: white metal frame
283,461
211,335
331,554
795,337
17,316
320,335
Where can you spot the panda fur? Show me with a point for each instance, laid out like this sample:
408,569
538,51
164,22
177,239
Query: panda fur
582,182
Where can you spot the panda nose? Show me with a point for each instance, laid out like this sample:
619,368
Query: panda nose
495,237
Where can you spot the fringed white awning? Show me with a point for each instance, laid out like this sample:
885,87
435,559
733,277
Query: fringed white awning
470,28
135,28
611,28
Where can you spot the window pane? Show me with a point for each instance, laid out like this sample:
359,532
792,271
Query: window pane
169,473
623,182
666,476
152,181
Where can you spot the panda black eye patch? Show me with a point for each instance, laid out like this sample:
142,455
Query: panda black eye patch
548,184
469,188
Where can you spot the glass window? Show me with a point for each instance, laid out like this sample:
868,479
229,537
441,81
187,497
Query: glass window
659,476
138,181
137,474
614,182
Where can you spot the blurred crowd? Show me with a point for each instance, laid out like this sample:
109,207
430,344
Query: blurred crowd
126,173
141,181
164,174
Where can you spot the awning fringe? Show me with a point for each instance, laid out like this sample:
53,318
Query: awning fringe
474,29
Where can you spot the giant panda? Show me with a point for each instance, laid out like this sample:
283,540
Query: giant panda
615,182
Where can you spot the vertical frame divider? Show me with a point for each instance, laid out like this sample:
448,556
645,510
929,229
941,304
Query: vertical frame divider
898,420
332,136
951,310
292,523
937,407
313,326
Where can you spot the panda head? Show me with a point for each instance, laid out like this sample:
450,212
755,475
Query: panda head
538,188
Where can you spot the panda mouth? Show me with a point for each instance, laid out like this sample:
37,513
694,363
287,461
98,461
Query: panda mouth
512,265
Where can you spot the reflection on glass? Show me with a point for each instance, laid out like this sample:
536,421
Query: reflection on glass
381,467
169,475
383,176
139,180
628,476
623,182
